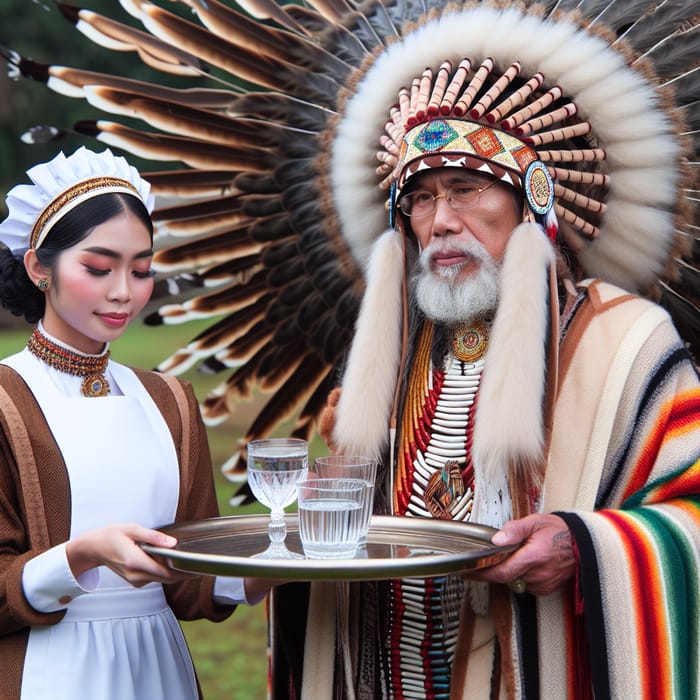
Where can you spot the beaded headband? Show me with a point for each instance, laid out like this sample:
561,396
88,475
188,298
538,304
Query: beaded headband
59,186
71,198
463,144
475,117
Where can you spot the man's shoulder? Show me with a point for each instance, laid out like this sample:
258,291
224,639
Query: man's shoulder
608,317
604,297
606,301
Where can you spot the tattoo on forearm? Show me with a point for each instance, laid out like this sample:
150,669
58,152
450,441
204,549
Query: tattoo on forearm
562,542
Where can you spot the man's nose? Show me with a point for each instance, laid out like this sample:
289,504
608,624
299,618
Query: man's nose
445,218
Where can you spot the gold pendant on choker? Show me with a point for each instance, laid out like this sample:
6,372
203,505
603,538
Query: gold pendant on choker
470,340
90,367
95,385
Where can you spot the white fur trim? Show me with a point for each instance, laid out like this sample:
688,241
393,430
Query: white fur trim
366,401
508,427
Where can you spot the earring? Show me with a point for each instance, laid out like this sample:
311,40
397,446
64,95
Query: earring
42,285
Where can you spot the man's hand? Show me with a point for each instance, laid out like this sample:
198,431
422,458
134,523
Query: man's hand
545,560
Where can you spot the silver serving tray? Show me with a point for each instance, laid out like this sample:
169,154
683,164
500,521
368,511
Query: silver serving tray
397,547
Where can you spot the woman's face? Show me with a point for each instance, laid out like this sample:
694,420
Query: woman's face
100,284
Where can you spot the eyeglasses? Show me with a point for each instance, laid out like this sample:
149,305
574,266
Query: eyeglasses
461,195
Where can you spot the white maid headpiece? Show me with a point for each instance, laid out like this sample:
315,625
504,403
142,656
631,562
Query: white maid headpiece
59,186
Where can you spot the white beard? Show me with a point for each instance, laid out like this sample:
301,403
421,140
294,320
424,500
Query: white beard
444,296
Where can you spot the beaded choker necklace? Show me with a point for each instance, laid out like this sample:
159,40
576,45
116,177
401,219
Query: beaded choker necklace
91,367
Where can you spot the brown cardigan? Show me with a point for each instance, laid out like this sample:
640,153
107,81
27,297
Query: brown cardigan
35,506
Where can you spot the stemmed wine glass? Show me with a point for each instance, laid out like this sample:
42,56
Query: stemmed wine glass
275,467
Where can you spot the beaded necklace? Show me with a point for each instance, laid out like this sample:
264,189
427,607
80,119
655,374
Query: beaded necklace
435,479
90,367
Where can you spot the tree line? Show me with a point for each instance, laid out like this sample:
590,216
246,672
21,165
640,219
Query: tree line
37,30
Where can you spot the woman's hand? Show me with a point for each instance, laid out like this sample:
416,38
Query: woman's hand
115,546
544,562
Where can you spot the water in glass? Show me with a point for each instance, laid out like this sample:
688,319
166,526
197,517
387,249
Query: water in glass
349,466
275,467
330,516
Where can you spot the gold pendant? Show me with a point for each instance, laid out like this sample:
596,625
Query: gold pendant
95,385
470,341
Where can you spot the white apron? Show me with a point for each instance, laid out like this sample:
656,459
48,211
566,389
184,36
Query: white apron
117,642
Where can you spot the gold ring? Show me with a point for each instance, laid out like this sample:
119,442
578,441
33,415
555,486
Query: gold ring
518,586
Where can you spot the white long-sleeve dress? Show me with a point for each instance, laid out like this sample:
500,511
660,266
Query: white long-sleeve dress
115,641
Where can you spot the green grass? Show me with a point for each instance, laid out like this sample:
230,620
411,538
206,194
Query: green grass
230,656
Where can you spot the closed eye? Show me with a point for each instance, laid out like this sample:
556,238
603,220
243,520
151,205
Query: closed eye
97,272
139,274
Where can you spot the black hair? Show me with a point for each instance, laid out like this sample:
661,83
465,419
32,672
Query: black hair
18,293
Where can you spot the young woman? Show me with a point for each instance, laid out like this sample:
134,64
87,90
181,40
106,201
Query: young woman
93,455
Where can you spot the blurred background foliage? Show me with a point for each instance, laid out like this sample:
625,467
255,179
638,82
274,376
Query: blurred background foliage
37,30
230,657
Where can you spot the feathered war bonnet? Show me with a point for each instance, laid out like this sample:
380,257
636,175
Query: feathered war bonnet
566,115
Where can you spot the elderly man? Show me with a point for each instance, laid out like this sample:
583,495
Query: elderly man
462,221
563,411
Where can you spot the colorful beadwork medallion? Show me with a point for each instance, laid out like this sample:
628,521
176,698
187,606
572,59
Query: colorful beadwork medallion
470,341
95,385
539,188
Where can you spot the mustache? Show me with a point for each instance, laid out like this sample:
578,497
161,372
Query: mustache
470,249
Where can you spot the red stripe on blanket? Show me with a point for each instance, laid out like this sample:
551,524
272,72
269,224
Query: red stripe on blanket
675,419
677,486
648,593
578,666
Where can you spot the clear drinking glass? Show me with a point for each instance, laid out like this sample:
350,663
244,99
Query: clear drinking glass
330,513
350,466
275,467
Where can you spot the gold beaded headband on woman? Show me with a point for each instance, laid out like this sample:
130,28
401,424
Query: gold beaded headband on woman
59,206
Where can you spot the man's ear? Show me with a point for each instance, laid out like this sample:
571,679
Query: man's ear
35,269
